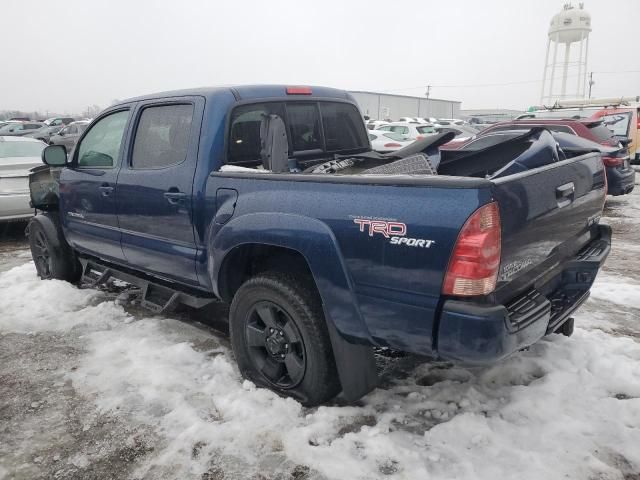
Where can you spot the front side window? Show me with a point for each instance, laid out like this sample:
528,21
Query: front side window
162,137
100,147
400,129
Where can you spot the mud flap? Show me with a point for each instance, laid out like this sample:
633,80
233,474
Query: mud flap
356,365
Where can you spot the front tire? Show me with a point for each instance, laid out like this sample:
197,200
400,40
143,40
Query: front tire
280,338
53,257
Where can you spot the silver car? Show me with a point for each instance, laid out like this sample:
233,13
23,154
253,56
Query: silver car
18,155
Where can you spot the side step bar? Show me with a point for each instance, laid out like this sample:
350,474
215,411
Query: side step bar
155,297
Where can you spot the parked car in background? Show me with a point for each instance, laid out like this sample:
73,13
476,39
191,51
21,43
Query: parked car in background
375,124
462,132
624,123
591,129
414,131
382,141
44,133
20,119
408,119
59,121
18,129
620,175
69,135
17,156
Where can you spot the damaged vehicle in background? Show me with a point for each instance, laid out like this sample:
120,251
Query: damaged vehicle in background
272,200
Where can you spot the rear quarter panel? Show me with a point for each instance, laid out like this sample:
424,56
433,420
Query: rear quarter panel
394,287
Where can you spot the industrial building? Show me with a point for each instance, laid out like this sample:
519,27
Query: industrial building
385,106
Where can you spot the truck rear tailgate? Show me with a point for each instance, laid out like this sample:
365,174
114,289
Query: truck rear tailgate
552,249
548,215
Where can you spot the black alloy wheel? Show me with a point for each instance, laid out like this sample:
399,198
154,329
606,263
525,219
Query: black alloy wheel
276,347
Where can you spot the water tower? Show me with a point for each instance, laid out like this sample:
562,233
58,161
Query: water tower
569,28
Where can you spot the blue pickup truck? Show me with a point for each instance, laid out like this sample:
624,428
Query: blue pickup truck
270,198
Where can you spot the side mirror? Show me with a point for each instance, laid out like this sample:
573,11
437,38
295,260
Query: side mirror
55,155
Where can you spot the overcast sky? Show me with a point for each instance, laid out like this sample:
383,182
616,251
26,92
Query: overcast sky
65,55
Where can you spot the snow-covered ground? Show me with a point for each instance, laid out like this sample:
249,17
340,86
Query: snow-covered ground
92,389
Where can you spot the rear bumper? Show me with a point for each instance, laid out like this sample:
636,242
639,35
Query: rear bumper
15,206
620,182
480,334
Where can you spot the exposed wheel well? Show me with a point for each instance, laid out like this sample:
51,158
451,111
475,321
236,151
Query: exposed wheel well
245,261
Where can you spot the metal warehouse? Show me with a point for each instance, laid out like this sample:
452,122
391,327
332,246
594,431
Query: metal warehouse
385,106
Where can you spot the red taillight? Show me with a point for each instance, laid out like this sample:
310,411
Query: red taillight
612,161
390,145
419,137
474,264
299,91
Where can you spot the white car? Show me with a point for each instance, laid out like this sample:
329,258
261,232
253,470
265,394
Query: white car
387,141
18,155
375,124
413,131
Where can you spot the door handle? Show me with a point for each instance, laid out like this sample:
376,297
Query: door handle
564,194
174,197
105,189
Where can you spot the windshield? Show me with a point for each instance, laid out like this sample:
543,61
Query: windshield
21,149
10,127
618,123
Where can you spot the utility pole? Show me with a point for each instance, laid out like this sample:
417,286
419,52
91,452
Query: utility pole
591,82
428,91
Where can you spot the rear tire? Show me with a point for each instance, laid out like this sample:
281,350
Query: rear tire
280,338
53,257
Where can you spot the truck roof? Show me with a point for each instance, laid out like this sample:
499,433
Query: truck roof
247,92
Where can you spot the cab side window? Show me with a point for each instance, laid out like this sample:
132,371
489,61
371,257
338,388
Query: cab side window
162,136
100,147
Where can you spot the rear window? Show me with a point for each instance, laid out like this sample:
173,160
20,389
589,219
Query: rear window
618,123
601,132
342,127
21,149
311,127
426,129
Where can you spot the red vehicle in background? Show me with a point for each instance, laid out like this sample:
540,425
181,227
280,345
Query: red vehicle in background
624,123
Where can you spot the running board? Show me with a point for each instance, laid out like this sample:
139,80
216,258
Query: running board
155,297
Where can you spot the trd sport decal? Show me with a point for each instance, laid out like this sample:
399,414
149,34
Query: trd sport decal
395,231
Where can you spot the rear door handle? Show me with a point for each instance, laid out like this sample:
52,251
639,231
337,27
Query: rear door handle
564,194
105,189
174,197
